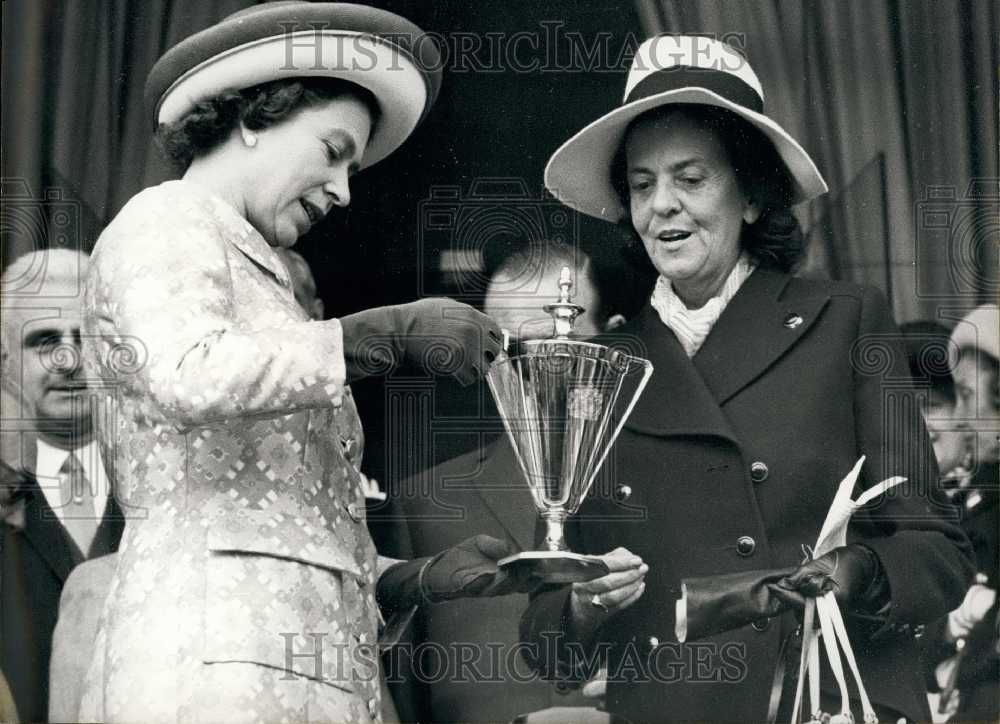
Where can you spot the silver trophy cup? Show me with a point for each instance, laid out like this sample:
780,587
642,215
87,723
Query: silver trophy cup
559,402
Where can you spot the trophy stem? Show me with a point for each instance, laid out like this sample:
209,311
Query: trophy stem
554,537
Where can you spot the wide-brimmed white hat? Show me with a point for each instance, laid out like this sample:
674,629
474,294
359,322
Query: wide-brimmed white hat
373,48
670,69
979,329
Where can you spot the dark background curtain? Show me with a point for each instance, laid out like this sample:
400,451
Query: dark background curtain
897,101
74,136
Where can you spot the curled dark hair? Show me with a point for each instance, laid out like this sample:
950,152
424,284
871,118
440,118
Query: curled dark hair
775,240
210,122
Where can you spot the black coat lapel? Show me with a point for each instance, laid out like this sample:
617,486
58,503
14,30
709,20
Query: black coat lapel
47,535
756,328
109,532
676,400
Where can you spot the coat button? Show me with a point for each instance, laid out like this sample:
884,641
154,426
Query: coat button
758,471
563,688
761,624
357,512
623,493
792,321
745,546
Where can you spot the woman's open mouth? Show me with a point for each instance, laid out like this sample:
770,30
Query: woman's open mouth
312,211
673,235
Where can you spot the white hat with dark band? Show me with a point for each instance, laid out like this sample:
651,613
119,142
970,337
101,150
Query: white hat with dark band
375,49
671,69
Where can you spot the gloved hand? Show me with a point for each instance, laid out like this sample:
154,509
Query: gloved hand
467,570
979,599
440,335
852,572
713,604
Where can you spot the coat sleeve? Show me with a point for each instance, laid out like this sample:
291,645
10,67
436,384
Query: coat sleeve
161,324
913,529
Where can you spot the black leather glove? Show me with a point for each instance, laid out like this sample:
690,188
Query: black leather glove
852,572
467,570
722,603
440,335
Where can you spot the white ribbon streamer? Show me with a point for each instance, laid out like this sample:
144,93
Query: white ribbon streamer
831,623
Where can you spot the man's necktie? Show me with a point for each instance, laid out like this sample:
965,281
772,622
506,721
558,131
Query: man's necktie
78,514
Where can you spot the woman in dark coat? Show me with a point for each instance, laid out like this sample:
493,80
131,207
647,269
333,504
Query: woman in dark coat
766,391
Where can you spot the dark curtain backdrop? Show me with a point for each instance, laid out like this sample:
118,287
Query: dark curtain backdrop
897,102
74,136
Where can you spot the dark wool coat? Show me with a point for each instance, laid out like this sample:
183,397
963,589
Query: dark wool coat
34,564
729,462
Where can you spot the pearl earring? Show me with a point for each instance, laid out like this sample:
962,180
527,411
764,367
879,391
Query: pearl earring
250,139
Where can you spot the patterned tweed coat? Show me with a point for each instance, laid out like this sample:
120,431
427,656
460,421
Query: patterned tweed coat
245,585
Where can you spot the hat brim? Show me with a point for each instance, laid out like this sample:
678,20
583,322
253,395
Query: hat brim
375,49
579,172
979,329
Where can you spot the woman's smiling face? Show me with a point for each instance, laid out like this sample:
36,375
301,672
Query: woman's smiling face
686,203
300,168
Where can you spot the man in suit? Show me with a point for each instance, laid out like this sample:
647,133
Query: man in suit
59,509
484,491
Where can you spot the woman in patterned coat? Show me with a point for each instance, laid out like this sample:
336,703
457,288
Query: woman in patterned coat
246,583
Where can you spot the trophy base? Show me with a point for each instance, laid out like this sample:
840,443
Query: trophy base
555,566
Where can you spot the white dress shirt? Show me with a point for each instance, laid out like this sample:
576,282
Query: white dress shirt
50,460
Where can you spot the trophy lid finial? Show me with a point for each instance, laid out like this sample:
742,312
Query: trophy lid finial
563,311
